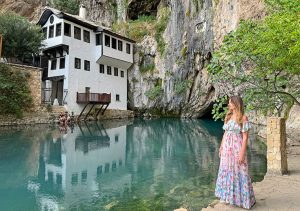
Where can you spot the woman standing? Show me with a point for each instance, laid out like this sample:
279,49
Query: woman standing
234,184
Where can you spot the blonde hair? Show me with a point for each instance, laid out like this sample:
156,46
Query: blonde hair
239,105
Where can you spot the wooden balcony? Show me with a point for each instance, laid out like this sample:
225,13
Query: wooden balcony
94,98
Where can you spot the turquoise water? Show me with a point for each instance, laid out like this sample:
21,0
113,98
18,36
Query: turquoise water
158,164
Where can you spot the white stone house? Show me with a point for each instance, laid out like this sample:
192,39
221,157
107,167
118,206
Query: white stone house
83,61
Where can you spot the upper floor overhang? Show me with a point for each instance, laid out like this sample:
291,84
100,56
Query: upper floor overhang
78,20
114,62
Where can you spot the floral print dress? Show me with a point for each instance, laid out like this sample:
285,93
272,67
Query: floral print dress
234,184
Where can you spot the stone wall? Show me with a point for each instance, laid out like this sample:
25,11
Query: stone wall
34,82
276,146
116,114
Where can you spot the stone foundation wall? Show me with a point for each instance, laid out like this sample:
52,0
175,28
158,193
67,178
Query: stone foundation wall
34,82
276,146
116,114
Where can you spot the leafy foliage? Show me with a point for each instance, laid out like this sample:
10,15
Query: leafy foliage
21,39
160,28
147,67
15,94
68,6
180,87
146,25
154,92
220,108
136,29
283,5
262,58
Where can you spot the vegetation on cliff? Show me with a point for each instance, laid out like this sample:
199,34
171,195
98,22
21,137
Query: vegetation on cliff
262,59
146,25
15,94
68,6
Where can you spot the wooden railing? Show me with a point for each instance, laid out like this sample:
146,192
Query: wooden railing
102,98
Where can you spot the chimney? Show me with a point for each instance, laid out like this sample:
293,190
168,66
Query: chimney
82,11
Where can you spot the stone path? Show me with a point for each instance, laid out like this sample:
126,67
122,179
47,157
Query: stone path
274,193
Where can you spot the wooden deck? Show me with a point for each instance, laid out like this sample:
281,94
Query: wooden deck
102,99
94,98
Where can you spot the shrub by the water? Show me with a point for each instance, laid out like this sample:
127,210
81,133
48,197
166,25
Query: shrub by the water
15,95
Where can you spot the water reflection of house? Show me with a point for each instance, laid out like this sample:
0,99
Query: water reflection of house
86,162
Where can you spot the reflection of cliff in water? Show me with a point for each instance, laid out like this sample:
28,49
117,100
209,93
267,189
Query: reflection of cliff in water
171,158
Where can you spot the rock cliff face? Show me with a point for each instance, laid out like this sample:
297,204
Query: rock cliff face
194,29
28,8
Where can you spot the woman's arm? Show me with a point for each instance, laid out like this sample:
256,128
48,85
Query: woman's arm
221,146
245,136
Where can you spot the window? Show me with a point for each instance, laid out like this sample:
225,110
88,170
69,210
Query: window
51,19
101,70
77,33
98,39
116,138
107,41
117,97
62,63
77,63
67,29
86,65
44,30
108,70
58,30
51,31
83,176
74,180
128,48
99,170
86,36
53,64
114,166
120,45
116,71
113,43
106,168
122,73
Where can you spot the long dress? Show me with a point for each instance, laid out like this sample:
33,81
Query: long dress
234,184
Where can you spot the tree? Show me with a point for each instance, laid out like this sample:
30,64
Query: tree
262,59
68,6
21,39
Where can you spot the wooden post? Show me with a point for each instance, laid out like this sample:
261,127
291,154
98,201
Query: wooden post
0,46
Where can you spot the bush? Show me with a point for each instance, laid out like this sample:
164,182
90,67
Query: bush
154,92
147,68
181,86
15,94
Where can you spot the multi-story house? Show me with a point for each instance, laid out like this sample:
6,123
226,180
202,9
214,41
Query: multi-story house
87,63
